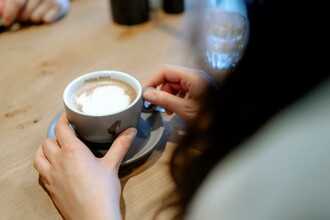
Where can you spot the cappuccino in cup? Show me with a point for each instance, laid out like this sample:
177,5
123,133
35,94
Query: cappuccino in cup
102,104
103,96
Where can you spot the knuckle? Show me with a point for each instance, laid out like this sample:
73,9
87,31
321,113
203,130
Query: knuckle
45,143
35,18
17,3
56,7
123,142
36,164
57,128
163,100
71,148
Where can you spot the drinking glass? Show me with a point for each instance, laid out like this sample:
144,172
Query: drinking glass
218,34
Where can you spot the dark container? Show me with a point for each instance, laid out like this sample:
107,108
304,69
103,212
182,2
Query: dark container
129,12
173,6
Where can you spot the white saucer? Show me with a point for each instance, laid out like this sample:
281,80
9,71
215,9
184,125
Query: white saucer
150,131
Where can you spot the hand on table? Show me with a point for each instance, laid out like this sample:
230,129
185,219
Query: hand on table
181,90
35,11
81,185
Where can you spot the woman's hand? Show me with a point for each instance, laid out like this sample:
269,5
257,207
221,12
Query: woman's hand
181,90
35,11
81,185
2,4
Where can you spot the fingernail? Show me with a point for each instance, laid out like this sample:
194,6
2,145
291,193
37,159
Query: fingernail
131,133
150,96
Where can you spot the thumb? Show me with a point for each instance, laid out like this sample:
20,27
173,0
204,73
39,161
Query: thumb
119,148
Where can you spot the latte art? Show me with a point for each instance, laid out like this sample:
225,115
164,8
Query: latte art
103,96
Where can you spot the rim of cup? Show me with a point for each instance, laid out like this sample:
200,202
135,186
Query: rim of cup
77,82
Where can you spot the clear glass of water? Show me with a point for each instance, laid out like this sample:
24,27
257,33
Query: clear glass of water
218,36
225,38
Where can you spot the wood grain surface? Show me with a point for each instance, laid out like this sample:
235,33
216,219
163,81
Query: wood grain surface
37,62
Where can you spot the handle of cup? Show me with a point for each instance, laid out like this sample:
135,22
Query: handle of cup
147,106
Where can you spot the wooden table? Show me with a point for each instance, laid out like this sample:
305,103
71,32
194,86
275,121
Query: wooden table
37,62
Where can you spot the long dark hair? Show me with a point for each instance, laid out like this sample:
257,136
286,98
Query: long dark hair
267,79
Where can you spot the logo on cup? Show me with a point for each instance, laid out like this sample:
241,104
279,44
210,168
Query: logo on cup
113,128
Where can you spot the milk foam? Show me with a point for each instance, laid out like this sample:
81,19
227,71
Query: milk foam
102,100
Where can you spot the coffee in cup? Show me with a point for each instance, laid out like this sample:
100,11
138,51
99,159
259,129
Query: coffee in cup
102,104
103,96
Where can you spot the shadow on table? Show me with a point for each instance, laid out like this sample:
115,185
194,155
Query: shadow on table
16,27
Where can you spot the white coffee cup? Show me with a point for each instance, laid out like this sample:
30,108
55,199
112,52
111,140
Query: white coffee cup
99,106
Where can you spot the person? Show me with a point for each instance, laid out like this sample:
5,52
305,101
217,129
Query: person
32,11
262,136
